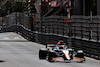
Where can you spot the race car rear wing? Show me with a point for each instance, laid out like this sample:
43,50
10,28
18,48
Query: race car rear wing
50,44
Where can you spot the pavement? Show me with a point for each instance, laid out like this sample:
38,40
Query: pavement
15,51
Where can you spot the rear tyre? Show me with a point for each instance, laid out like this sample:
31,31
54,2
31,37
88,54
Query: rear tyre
80,54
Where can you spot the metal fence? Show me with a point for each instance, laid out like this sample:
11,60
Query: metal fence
21,30
16,18
81,27
55,25
82,32
86,28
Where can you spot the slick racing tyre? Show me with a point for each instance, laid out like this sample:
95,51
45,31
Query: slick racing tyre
49,57
42,53
80,54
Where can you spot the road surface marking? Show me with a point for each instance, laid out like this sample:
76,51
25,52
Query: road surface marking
16,37
6,38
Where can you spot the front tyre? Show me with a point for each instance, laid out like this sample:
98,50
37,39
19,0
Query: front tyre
49,58
42,53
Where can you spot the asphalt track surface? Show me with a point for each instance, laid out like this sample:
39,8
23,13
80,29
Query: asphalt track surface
15,51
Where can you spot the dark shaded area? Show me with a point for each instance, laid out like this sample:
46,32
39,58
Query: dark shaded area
78,8
10,6
91,5
1,61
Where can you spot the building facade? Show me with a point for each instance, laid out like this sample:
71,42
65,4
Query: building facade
83,7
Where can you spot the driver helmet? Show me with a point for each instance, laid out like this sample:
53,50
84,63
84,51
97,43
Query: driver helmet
60,42
63,46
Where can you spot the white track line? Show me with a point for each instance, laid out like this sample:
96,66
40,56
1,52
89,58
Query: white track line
16,37
6,38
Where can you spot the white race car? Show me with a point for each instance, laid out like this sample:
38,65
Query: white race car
60,52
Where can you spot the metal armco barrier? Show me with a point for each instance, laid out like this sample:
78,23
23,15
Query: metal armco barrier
80,32
91,49
20,29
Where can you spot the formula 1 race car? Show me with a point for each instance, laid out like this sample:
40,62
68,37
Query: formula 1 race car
60,52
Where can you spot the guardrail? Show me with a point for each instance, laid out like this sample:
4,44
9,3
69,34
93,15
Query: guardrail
20,29
81,27
91,49
80,31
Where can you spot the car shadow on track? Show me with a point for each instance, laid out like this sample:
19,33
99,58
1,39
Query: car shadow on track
1,61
